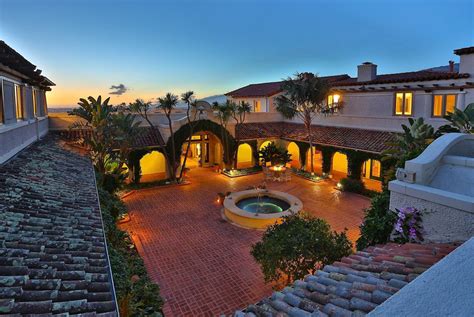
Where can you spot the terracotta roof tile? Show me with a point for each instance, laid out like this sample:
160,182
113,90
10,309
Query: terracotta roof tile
146,138
423,75
358,139
352,287
271,88
52,247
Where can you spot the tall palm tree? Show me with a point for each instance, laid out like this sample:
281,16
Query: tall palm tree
303,97
167,104
223,114
238,112
188,98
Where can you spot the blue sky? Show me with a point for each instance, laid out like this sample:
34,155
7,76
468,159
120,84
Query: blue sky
214,46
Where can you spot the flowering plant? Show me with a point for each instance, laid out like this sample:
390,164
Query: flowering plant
408,227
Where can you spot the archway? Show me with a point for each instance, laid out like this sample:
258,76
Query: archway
264,144
294,150
226,139
339,165
372,174
317,160
244,156
153,166
205,150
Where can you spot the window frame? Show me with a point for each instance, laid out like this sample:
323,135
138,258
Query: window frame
2,103
443,104
21,107
404,103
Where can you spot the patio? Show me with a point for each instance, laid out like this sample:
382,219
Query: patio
203,263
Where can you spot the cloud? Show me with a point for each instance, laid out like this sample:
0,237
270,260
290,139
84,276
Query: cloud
118,89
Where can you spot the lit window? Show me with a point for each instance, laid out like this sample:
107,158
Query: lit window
257,105
1,101
333,99
33,94
443,104
372,169
18,103
403,103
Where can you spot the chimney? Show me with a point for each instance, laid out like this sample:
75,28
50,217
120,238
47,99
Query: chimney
366,72
451,66
466,60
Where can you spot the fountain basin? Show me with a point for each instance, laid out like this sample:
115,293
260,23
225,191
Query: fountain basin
259,208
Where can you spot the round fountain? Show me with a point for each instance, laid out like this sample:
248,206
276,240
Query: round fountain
259,208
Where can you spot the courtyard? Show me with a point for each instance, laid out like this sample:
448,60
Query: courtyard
203,263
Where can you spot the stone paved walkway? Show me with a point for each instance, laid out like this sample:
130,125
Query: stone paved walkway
201,262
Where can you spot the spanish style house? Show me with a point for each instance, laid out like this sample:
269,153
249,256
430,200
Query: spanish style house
23,106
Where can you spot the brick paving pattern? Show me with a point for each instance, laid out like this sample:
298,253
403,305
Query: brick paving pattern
202,263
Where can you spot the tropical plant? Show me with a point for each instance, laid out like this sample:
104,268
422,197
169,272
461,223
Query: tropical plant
298,246
414,140
167,104
378,222
238,112
223,115
188,98
274,154
303,97
459,121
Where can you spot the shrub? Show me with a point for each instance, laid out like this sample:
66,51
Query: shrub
136,294
352,185
298,246
378,222
408,227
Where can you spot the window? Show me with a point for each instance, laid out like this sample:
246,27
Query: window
257,106
371,169
333,99
403,103
33,94
19,103
443,104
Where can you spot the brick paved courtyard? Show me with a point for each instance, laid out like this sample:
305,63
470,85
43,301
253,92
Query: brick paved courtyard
201,262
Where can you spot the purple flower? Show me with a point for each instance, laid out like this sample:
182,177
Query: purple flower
398,227
401,215
412,234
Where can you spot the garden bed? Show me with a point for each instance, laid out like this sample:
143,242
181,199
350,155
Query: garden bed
242,172
307,175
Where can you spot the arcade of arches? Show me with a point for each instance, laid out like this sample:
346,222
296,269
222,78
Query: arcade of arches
206,151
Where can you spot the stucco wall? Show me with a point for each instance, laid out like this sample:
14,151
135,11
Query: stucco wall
440,223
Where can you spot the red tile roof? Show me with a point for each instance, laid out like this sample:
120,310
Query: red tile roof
423,75
355,285
464,50
146,137
358,139
270,89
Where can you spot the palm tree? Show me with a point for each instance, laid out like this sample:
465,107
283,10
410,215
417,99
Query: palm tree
167,104
304,98
460,121
188,98
238,112
126,130
223,114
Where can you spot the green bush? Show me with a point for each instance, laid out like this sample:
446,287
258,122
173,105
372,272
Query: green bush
298,246
136,294
378,222
352,185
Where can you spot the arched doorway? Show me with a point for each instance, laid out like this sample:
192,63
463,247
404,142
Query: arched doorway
205,150
153,166
317,161
294,150
372,174
339,165
244,156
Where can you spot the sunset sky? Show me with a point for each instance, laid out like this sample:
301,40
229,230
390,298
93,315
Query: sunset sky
146,48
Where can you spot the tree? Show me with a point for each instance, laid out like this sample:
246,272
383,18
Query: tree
298,246
238,112
167,104
304,97
223,114
274,154
459,121
188,98
109,137
142,108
